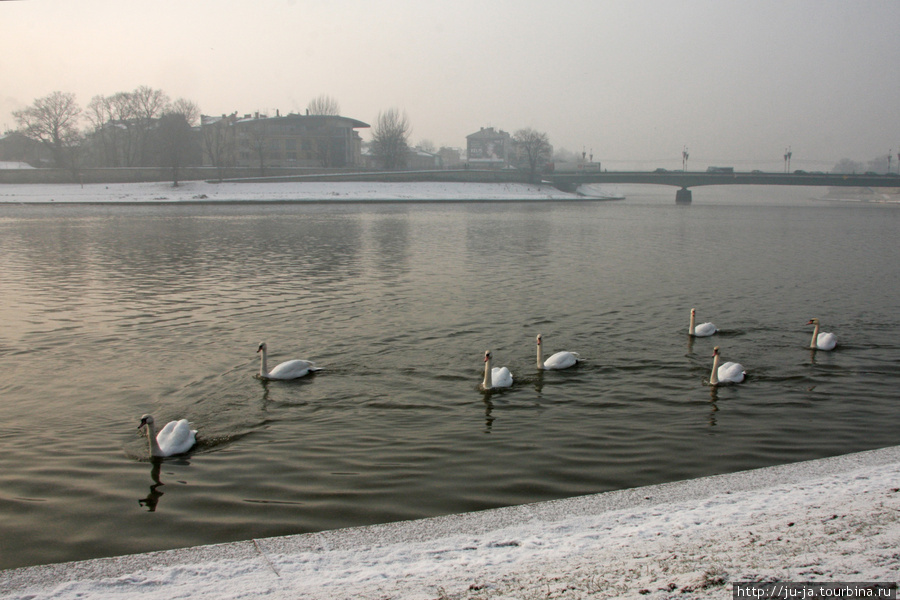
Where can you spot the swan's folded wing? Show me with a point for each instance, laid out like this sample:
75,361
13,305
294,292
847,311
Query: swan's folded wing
561,360
176,436
291,369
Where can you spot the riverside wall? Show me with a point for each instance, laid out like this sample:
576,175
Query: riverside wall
144,174
271,175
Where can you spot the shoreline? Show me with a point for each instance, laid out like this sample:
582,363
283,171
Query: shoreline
202,192
826,520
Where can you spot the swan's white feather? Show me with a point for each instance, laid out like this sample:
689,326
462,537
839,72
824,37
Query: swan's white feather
704,330
292,369
561,360
501,377
176,437
826,341
731,372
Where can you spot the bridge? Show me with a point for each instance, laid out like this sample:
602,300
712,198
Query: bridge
568,181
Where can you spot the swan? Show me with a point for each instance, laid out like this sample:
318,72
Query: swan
291,369
701,330
497,377
560,360
821,341
730,372
176,437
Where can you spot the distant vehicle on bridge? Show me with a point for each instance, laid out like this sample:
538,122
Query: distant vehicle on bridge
729,170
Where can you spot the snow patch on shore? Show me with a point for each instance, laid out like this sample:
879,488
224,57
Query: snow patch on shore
201,191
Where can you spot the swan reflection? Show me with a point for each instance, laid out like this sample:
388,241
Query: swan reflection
152,499
155,494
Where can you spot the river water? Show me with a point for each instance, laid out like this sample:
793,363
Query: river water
110,312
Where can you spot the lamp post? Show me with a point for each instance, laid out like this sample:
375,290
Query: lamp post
787,159
684,158
890,156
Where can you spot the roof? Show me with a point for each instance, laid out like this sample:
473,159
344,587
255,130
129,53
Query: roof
488,132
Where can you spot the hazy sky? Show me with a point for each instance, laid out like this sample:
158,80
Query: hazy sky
635,80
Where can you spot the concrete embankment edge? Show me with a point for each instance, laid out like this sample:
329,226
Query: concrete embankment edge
474,523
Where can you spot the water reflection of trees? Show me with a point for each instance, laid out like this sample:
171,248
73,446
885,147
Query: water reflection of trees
390,236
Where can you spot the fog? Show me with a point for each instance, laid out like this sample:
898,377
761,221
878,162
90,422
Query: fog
633,83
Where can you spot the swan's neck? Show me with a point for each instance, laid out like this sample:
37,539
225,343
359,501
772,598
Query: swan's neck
154,445
714,376
487,383
263,369
540,356
812,344
691,329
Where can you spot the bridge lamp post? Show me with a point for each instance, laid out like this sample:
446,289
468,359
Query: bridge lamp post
787,159
684,158
890,156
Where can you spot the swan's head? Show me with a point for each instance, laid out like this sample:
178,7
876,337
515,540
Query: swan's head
813,322
693,312
715,351
262,347
145,421
539,339
487,355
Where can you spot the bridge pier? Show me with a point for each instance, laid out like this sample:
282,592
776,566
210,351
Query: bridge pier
683,196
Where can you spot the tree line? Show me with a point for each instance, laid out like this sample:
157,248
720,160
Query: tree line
146,128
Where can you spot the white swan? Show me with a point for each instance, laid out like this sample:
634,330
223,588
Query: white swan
701,330
821,341
176,437
560,360
497,377
291,369
730,372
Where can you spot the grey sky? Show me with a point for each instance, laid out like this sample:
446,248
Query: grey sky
735,81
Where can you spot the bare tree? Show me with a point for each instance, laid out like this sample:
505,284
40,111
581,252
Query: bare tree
148,105
99,115
390,138
123,125
533,150
323,105
257,136
53,121
188,109
219,141
173,143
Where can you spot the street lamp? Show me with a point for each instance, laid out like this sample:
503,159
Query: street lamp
684,157
787,159
890,156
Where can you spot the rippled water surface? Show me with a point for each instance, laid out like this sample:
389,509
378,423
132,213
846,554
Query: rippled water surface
109,312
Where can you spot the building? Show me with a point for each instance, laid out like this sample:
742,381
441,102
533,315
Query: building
255,140
488,149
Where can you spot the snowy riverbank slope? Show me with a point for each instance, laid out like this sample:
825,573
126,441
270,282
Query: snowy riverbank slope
201,191
836,519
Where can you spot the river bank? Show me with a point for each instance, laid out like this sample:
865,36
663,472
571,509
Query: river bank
835,519
201,191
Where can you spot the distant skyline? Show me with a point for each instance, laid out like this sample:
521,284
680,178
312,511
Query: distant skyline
632,82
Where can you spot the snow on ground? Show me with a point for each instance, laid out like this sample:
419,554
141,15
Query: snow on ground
830,520
201,191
